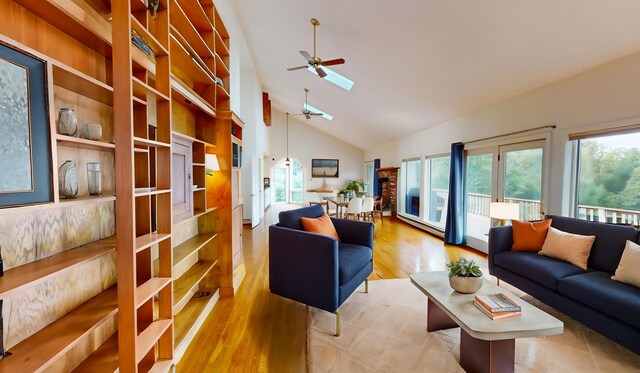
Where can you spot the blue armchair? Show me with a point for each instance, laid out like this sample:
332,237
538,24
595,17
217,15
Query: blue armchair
318,270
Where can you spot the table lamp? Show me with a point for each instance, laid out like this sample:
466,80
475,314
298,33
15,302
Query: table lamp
504,211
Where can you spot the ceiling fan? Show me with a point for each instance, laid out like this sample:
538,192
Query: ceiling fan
314,61
305,110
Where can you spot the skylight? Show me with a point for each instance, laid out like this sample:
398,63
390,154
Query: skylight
335,78
315,110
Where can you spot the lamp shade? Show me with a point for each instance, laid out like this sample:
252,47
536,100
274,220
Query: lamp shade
504,211
211,162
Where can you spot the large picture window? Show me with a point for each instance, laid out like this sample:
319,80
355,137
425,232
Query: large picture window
609,178
411,186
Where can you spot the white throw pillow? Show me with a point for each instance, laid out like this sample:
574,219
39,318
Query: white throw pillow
572,248
627,270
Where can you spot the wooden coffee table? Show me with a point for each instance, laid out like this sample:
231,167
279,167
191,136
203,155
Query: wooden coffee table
485,345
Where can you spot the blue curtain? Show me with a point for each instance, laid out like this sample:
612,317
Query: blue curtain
455,231
376,166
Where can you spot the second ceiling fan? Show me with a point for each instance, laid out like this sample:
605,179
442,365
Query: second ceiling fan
305,109
314,61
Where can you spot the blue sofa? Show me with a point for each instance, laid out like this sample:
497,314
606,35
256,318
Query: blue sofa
609,307
318,270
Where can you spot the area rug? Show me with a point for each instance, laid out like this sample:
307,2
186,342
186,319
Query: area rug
384,331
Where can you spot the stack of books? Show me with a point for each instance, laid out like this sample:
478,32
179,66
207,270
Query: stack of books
497,306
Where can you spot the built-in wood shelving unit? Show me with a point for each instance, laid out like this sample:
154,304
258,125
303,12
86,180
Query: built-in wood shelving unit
16,279
186,285
39,351
93,68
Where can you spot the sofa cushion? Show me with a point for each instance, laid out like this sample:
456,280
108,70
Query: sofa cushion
541,269
351,259
572,248
321,225
291,218
627,270
529,236
597,290
609,244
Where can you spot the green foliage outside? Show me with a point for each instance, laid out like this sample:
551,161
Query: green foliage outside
609,177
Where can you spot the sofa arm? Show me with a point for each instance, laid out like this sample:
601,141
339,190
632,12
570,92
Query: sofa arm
500,239
303,266
354,232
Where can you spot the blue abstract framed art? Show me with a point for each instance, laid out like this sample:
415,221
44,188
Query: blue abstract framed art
25,147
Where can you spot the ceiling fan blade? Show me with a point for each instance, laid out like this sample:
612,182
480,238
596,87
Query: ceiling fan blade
315,113
297,68
306,55
320,72
307,115
337,61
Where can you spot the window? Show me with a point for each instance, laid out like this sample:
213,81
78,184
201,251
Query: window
438,192
368,184
609,178
288,182
411,186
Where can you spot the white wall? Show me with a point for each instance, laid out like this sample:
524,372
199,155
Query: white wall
603,97
246,102
307,143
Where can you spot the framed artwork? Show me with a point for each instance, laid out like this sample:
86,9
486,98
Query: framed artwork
25,147
325,168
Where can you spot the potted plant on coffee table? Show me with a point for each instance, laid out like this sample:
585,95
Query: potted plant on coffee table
464,275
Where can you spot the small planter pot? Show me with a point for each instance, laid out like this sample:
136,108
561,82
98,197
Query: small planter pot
465,285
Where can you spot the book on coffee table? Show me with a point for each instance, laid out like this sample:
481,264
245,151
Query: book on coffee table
497,303
496,315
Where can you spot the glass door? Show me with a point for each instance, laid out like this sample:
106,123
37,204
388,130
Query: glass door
521,177
481,190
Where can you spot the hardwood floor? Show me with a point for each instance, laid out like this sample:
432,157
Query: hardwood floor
256,331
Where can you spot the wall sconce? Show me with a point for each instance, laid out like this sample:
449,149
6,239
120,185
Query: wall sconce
211,163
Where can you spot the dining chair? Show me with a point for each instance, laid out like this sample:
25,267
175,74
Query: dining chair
354,209
367,209
377,208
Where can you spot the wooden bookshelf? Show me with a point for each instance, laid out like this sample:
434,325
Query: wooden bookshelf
16,279
185,286
103,359
39,351
190,247
80,143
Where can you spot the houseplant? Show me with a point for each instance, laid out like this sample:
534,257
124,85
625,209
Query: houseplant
351,188
464,275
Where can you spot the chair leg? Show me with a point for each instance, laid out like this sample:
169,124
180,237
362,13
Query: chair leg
498,281
337,323
366,285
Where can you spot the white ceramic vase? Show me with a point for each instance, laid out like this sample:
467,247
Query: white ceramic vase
67,122
68,180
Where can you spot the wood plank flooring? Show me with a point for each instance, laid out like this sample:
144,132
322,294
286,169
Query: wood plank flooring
256,331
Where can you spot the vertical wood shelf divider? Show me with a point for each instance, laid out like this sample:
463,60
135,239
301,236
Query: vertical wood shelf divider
145,293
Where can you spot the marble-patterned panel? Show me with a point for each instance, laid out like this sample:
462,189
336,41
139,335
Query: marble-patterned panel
49,231
82,225
40,305
107,219
17,240
183,231
108,270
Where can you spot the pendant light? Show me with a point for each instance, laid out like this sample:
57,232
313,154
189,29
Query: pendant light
287,162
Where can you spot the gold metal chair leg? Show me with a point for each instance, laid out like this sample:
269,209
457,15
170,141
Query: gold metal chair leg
498,281
366,285
337,323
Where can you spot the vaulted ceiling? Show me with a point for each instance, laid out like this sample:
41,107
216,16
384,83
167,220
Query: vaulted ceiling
417,63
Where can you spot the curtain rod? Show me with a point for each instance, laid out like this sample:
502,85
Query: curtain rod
552,126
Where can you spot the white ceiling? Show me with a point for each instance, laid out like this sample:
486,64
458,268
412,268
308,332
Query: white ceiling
417,63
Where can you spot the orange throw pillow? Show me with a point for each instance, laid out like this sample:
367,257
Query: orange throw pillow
529,236
322,225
